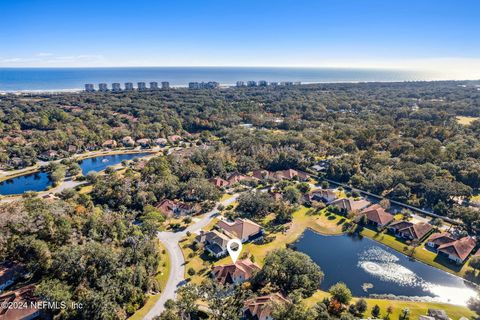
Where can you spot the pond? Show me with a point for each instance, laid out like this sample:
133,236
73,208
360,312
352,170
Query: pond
30,182
102,162
40,181
368,267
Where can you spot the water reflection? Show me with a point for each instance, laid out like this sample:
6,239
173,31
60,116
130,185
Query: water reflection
368,267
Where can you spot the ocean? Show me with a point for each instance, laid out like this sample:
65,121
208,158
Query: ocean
58,79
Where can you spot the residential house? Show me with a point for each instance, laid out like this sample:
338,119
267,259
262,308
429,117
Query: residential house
128,141
236,177
291,174
162,142
48,155
219,182
143,142
409,230
235,273
438,239
109,144
458,250
324,195
215,242
261,174
346,205
171,208
174,138
20,297
260,308
377,216
243,229
9,273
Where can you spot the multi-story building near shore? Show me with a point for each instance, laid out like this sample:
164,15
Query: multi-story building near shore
203,85
89,87
273,84
297,83
262,83
102,87
116,87
128,86
251,83
240,84
165,85
193,85
141,86
153,85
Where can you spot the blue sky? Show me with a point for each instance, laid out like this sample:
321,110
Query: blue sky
356,33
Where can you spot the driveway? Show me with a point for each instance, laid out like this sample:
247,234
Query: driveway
177,262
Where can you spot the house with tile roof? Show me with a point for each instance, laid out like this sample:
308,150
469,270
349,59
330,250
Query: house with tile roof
377,216
236,177
243,229
261,308
409,230
438,239
22,297
170,208
459,250
345,205
219,182
235,273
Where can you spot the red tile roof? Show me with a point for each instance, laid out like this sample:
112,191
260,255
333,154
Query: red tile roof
415,231
377,214
227,273
441,238
261,307
22,296
219,182
460,248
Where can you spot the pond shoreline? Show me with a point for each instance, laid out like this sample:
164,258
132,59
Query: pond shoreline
76,158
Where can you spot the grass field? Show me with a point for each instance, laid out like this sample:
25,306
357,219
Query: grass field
162,278
416,308
466,120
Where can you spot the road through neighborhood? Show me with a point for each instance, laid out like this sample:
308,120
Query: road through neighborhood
177,261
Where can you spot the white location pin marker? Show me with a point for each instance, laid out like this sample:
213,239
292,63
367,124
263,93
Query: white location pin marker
234,247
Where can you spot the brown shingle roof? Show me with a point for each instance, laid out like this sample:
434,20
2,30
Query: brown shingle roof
441,238
349,204
22,296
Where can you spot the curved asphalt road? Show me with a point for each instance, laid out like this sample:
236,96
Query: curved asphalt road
177,262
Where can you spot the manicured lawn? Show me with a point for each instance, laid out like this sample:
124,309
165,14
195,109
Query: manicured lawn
302,219
416,308
466,120
225,197
198,262
420,253
162,278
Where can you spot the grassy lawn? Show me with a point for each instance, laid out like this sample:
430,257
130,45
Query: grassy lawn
420,253
225,197
199,261
302,219
475,198
416,308
466,120
162,278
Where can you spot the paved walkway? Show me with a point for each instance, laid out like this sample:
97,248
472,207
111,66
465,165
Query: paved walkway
177,262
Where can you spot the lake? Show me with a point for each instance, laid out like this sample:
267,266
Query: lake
40,181
358,262
31,79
